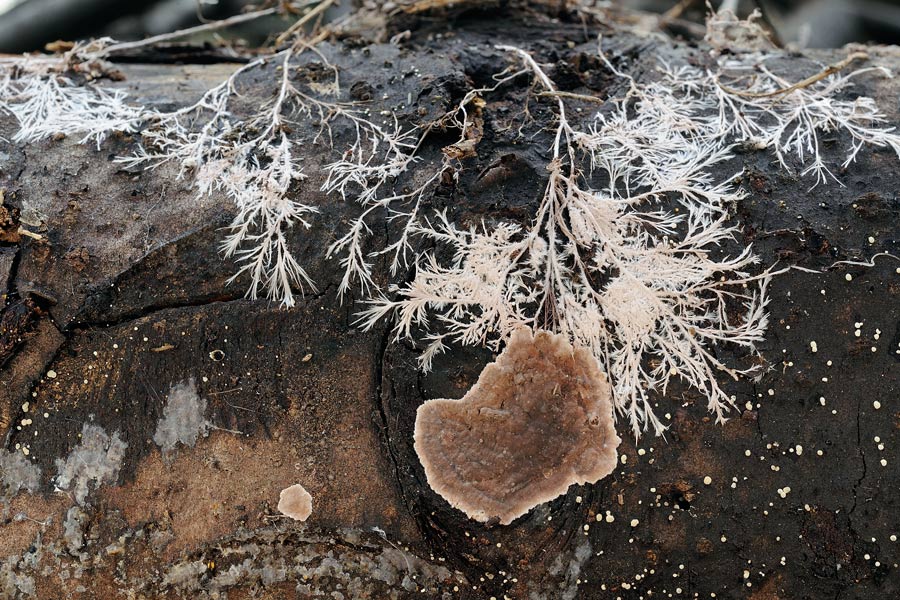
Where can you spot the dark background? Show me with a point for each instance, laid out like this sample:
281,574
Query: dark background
27,25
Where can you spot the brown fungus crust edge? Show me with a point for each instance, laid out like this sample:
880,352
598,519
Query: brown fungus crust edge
538,420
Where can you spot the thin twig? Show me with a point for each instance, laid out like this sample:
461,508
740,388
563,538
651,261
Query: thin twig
212,26
858,263
573,96
31,234
676,11
224,392
319,9
826,72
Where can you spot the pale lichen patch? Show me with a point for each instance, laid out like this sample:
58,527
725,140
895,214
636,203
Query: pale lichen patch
17,473
96,460
183,418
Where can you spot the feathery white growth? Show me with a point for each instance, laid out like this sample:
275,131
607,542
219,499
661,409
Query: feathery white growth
624,254
627,271
633,269
254,165
250,161
363,177
774,114
47,103
53,105
473,295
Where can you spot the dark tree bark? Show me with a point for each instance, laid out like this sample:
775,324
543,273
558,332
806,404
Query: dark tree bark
126,296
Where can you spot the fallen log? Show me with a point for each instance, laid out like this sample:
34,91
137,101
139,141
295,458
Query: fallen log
120,300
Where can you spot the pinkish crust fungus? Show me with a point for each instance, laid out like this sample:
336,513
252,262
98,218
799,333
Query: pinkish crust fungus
295,502
539,419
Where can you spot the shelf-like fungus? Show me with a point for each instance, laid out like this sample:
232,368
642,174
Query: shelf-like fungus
538,420
295,502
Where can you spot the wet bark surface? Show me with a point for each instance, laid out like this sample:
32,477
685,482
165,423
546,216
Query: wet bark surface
126,296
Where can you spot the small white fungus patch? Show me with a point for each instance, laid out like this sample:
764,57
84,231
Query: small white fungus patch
295,502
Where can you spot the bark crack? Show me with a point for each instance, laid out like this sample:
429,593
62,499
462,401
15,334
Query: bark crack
862,456
379,391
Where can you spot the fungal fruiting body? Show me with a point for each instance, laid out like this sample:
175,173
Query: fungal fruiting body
295,502
538,420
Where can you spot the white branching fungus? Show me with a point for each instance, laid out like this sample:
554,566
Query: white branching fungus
362,178
636,285
251,161
252,164
47,103
746,101
255,165
625,253
53,106
364,175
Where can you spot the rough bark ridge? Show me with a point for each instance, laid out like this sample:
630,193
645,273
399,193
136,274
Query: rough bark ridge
125,298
